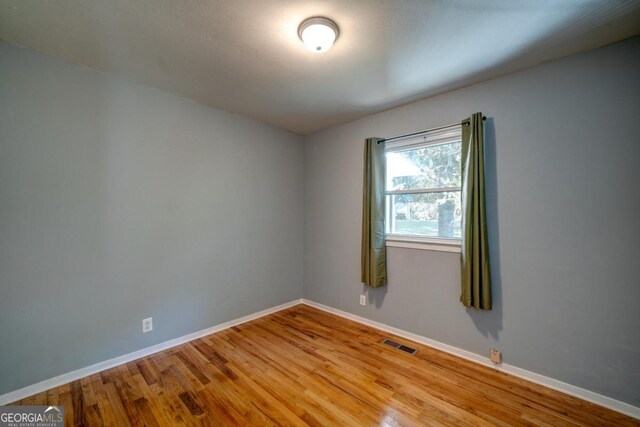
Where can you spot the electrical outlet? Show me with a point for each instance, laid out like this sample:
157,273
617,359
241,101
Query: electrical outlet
496,356
363,300
147,325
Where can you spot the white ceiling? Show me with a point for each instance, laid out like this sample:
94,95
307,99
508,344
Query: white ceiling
244,55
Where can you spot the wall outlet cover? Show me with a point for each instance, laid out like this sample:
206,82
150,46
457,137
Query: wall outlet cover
496,356
363,299
147,325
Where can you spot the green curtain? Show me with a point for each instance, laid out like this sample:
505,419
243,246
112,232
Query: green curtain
476,277
374,262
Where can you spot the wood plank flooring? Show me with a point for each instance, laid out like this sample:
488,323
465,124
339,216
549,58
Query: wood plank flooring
302,366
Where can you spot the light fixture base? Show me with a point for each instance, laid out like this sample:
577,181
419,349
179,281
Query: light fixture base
316,39
320,20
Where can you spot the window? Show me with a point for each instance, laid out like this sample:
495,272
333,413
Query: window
423,188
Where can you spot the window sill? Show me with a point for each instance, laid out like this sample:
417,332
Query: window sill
426,244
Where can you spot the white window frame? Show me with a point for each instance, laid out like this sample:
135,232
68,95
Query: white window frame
436,137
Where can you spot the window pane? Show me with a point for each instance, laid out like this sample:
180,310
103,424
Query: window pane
434,166
427,214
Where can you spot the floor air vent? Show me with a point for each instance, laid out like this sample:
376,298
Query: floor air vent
400,347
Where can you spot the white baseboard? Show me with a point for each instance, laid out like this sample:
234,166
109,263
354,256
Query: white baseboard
584,394
22,393
569,389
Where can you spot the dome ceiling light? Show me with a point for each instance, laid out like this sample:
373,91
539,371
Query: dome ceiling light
318,34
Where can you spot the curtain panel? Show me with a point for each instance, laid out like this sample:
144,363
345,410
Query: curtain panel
374,256
474,257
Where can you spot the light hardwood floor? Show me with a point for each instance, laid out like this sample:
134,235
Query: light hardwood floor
302,366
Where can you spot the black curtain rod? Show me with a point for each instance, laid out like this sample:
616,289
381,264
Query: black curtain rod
393,138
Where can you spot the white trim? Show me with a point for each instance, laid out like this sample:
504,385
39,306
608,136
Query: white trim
590,396
22,393
449,135
581,393
424,191
425,246
423,243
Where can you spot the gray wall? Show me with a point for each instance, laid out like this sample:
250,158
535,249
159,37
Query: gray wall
563,204
119,202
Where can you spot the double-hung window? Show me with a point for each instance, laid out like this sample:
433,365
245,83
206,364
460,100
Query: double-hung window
423,188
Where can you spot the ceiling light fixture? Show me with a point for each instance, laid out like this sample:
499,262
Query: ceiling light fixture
318,34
